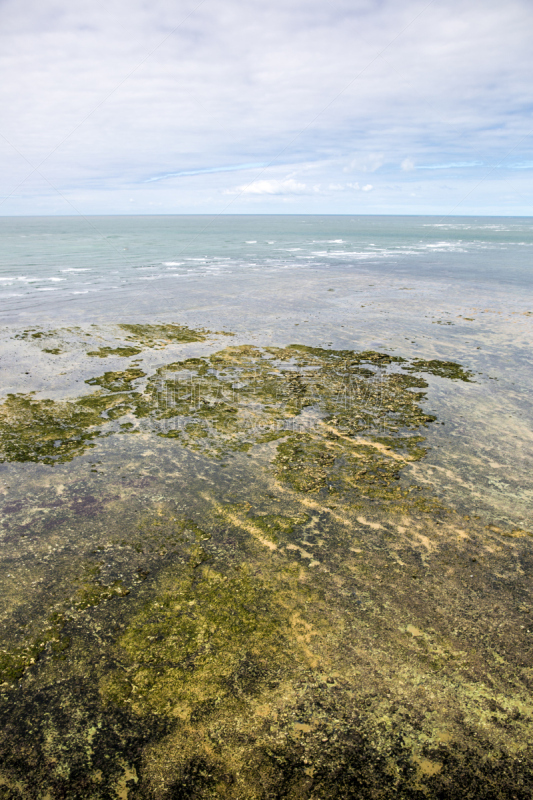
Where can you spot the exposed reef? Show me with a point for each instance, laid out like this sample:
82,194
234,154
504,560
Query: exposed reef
234,399
250,599
160,335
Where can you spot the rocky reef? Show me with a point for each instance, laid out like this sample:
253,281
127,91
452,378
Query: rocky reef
220,581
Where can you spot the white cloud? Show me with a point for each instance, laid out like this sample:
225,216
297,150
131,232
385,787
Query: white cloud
367,188
368,162
273,187
107,95
526,165
453,165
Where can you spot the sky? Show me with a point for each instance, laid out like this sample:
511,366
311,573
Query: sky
266,106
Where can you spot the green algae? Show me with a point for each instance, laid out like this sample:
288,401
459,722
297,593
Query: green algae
157,335
34,333
104,352
243,395
135,338
350,402
275,524
42,337
120,381
262,677
348,357
271,677
188,641
51,639
303,643
303,463
163,533
92,594
51,432
44,431
443,369
237,398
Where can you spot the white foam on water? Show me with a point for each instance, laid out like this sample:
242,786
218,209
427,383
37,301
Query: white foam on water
413,243
458,226
361,255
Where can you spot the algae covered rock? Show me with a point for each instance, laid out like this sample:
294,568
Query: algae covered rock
252,599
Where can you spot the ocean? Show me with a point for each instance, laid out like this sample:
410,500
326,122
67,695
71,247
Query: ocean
266,506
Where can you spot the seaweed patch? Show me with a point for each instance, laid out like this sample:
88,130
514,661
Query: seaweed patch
45,431
228,402
122,352
443,369
264,605
161,335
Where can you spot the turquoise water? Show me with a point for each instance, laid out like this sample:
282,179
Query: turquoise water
66,265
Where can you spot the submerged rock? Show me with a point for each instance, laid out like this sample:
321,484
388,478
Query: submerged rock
260,603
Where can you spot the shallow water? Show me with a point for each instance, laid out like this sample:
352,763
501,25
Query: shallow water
266,571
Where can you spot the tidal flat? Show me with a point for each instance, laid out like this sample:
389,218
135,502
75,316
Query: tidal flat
221,578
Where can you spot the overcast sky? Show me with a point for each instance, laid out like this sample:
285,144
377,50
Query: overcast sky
266,106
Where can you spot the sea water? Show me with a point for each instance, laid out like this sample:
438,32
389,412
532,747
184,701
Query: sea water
213,468
63,266
454,288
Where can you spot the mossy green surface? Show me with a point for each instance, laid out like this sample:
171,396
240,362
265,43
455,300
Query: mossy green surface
183,647
157,335
276,526
242,396
131,339
252,600
444,369
34,333
120,381
44,431
123,352
16,660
